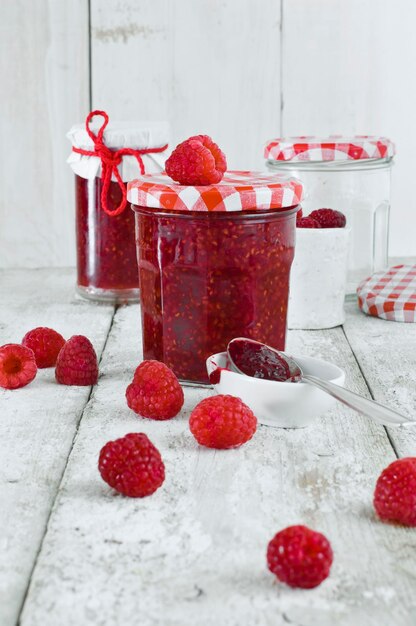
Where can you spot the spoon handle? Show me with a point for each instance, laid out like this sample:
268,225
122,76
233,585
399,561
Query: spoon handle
378,412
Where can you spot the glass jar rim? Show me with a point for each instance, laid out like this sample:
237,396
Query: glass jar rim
247,213
332,166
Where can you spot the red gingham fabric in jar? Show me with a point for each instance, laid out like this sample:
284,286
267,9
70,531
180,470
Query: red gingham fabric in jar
332,148
237,191
390,294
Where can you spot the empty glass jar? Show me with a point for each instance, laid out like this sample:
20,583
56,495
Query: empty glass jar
351,175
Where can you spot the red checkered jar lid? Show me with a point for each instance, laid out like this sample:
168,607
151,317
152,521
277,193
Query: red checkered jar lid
332,148
390,294
237,191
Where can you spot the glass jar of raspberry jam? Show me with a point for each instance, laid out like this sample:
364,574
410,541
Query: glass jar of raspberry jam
104,159
214,264
348,174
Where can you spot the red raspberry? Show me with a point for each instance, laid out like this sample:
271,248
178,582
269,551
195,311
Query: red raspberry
328,218
17,366
132,465
77,363
222,422
300,557
197,161
395,493
46,343
155,391
299,216
307,222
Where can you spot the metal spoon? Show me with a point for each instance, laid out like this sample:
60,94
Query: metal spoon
378,412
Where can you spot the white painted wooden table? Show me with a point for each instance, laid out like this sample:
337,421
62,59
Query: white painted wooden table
74,552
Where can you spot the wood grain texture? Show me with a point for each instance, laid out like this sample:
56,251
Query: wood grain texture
386,353
344,66
38,422
45,89
208,67
194,553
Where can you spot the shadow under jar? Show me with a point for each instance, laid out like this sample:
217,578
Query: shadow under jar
104,160
207,276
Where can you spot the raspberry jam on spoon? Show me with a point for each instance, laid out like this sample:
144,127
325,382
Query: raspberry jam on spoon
252,358
259,361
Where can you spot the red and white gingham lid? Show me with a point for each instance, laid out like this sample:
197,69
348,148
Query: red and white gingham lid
332,148
237,191
390,294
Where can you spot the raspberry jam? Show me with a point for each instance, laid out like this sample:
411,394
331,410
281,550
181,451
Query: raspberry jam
106,249
207,277
257,360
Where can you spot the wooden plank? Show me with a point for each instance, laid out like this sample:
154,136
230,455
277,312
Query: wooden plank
386,353
209,67
38,422
194,553
342,65
44,65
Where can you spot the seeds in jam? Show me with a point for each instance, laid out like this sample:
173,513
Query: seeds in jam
106,249
207,277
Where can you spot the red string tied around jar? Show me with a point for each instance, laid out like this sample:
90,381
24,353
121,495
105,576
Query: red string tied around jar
110,160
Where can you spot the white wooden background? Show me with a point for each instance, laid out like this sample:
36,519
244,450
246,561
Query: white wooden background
240,70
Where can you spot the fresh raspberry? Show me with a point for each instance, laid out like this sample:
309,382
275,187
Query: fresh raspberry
300,557
17,366
46,343
328,218
395,493
196,161
132,465
77,363
307,222
299,216
222,422
155,391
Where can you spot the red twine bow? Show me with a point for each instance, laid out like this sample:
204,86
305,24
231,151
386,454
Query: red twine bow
110,159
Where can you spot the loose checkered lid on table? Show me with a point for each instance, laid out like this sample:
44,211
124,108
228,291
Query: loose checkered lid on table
390,294
237,191
332,148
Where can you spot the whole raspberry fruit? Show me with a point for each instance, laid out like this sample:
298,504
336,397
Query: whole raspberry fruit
46,344
196,161
155,391
17,366
300,557
307,222
222,422
328,218
299,216
395,492
132,465
77,363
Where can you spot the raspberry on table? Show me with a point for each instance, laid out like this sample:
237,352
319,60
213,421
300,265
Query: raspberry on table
222,422
395,492
17,366
155,391
46,344
300,557
299,215
196,161
77,363
132,465
307,222
328,218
